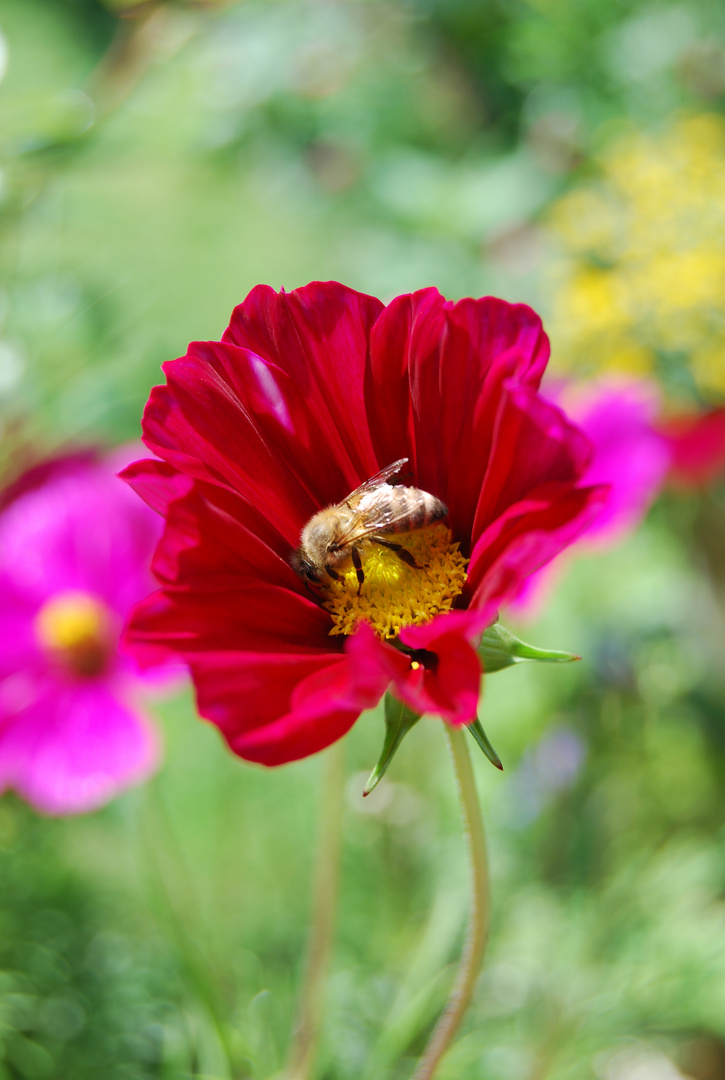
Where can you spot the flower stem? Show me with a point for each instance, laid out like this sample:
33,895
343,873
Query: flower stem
324,902
473,950
164,859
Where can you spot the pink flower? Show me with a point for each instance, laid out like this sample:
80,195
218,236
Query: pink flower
630,455
75,548
308,395
636,453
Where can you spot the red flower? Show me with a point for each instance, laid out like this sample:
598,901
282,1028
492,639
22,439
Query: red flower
308,394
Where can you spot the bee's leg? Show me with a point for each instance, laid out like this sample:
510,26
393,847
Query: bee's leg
402,552
357,563
333,573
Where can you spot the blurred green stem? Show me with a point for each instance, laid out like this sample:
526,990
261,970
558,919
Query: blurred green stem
462,992
160,844
139,40
324,902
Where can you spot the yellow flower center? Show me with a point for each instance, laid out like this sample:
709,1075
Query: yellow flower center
393,594
76,628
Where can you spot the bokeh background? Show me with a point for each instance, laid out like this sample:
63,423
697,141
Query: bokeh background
158,160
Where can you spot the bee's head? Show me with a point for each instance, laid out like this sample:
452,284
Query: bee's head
302,566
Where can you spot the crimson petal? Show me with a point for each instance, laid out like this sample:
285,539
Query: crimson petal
528,536
533,444
308,394
436,373
157,482
258,702
318,336
257,617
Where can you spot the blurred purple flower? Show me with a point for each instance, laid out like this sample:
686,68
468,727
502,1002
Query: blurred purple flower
75,549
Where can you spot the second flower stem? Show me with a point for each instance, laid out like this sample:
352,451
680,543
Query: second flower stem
324,903
462,992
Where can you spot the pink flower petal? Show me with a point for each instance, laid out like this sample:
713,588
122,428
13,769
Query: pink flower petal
83,531
19,646
526,537
629,454
533,444
74,748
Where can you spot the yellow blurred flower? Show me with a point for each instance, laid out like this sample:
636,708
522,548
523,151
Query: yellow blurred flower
638,277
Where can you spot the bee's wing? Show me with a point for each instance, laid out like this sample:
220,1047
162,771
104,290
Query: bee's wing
379,478
378,517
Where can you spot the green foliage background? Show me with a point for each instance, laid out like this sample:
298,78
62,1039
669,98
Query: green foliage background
157,162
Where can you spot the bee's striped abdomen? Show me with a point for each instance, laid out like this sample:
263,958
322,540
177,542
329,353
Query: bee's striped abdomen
411,509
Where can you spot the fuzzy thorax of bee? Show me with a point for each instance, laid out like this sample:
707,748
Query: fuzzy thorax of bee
395,595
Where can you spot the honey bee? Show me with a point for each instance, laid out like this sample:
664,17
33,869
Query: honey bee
338,534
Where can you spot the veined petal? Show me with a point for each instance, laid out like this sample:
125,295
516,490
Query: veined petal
256,617
373,663
446,682
528,536
319,337
215,540
168,434
261,452
630,454
436,374
308,395
533,444
294,735
275,708
469,624
450,685
157,482
278,396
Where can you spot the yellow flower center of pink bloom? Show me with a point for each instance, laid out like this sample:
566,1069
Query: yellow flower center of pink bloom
76,629
393,594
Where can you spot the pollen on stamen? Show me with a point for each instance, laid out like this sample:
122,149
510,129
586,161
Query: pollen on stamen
393,594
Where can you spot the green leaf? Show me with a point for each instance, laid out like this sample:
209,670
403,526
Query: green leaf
399,719
483,741
500,649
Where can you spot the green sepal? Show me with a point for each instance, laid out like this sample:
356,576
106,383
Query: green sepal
476,729
500,649
399,719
